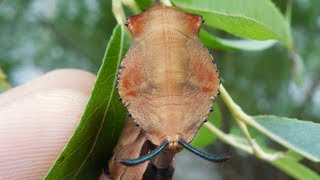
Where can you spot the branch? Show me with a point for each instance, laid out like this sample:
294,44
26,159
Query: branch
241,118
228,138
118,12
166,2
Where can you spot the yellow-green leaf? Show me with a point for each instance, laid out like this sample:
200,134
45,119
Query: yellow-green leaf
251,19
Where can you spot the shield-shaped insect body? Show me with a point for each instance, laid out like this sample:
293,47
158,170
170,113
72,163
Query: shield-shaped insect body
167,80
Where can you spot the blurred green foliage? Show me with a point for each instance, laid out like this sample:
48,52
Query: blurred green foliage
39,36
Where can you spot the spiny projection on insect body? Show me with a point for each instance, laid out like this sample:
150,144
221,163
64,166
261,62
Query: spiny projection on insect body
167,81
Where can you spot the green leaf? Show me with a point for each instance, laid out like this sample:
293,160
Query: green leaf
299,136
210,41
92,143
144,4
288,163
205,136
295,169
251,19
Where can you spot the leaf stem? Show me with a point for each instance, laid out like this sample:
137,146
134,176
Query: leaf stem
118,12
166,2
241,118
228,138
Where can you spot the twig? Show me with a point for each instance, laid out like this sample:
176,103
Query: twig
118,12
166,2
228,138
242,118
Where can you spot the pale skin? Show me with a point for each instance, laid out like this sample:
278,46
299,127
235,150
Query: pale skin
37,119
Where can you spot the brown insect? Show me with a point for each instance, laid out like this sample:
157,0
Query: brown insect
134,143
168,82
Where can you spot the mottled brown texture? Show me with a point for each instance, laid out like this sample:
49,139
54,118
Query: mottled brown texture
130,145
168,81
133,144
